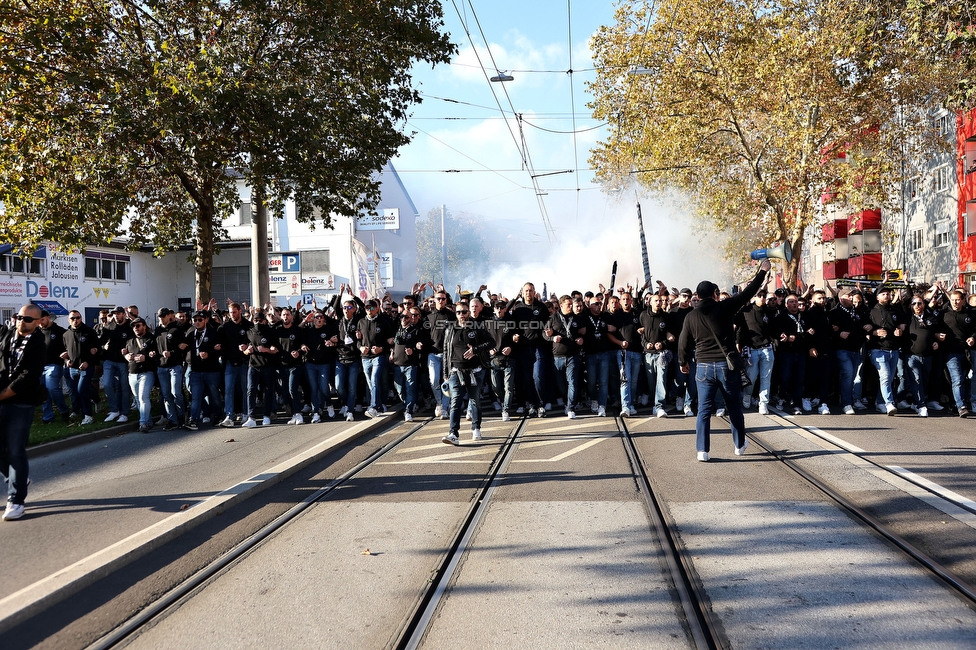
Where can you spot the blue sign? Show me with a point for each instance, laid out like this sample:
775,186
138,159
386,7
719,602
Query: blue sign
52,307
307,299
290,263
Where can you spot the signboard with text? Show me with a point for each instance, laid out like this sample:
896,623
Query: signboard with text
385,219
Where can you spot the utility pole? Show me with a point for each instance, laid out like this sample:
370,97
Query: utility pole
647,265
260,290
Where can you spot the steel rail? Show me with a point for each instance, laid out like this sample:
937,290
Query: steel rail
703,627
947,577
413,632
236,554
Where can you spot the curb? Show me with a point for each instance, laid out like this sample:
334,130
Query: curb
35,598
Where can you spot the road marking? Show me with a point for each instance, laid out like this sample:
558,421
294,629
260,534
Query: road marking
575,450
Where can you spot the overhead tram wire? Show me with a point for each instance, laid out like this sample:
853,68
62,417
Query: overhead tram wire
486,167
526,157
572,101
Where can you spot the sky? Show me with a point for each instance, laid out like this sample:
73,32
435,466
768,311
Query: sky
466,152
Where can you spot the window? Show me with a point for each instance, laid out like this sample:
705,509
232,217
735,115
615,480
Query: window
942,178
944,235
316,262
245,214
107,266
945,124
11,263
915,239
911,189
232,282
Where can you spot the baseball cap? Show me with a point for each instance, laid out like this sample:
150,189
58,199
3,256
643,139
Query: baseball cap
118,309
138,321
685,292
164,311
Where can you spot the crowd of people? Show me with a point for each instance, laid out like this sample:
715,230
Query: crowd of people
606,351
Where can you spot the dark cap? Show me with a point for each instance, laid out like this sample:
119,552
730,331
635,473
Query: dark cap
44,313
139,321
782,292
164,311
685,292
118,309
372,303
706,289
201,314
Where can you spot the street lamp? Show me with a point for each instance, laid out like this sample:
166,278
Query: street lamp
502,76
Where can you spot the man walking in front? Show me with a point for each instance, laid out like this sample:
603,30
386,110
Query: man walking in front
708,332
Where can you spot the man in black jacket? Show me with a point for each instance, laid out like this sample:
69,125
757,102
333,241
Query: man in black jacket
53,368
172,346
21,370
80,356
465,352
708,331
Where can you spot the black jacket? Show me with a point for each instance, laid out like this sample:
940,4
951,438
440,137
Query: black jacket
81,345
22,366
719,315
53,344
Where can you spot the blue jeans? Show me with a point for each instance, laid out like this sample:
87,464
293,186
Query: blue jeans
761,367
346,379
598,376
435,374
115,374
15,423
209,383
289,376
79,388
405,381
52,381
886,362
713,378
920,368
141,384
848,362
319,377
171,388
656,367
374,368
234,377
632,363
956,365
503,384
465,382
568,370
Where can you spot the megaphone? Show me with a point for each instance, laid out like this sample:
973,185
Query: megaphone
781,251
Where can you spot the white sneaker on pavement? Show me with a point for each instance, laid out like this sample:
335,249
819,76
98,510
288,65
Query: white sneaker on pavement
935,406
763,408
571,415
661,413
13,511
688,412
372,413
349,417
703,456
316,418
849,410
299,419
601,412
330,411
407,416
451,439
805,403
824,409
741,451
111,416
122,418
505,416
476,434
719,413
923,412
227,422
87,420
266,421
249,423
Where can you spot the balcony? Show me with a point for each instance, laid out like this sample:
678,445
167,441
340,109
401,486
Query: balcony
865,266
835,270
836,229
864,220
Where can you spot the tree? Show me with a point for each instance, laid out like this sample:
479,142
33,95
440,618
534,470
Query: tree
139,118
467,259
756,108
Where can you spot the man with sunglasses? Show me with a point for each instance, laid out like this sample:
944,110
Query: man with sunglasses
143,358
350,359
114,338
205,370
319,343
53,368
172,346
377,335
21,374
262,358
80,356
405,356
465,349
234,333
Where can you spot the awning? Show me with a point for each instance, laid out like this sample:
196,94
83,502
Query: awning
52,307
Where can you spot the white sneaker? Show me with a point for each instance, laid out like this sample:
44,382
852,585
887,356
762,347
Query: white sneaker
679,403
349,417
506,417
343,411
601,412
882,408
111,416
763,408
891,409
824,409
438,410
407,416
859,405
266,421
703,456
316,418
87,420
476,434
205,420
467,416
688,412
902,404
122,418
451,439
291,420
571,415
594,407
625,413
935,406
227,422
848,410
741,451
661,413
746,401
923,412
330,411
13,511
541,413
372,413
249,423
719,413
299,419
805,403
